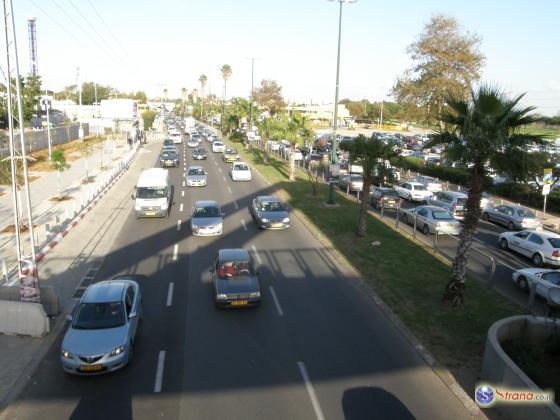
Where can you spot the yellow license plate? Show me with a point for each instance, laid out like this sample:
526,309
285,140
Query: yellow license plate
239,303
91,368
277,225
150,213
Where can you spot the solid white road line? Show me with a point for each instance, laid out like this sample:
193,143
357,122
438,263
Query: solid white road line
256,254
244,225
170,294
182,193
224,178
229,189
220,170
276,302
235,204
159,371
179,224
175,251
507,265
181,207
311,391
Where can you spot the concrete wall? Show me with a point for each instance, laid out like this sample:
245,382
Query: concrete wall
38,139
499,369
23,318
50,301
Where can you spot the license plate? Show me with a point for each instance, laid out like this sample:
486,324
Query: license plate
277,225
150,213
391,202
239,302
91,368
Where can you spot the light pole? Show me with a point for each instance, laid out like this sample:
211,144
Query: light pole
334,145
47,103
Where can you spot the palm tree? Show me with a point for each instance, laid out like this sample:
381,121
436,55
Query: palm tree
297,130
226,73
479,131
373,155
202,79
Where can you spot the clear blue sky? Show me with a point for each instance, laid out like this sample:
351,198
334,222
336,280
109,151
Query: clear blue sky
171,42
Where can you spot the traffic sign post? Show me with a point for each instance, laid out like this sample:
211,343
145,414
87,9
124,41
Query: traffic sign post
545,192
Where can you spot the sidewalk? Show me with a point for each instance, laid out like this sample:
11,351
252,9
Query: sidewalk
50,217
82,251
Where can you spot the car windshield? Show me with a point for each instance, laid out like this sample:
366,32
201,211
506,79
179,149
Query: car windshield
151,192
525,213
168,155
272,206
196,171
231,270
96,316
206,212
390,193
441,215
241,168
555,242
199,151
231,151
419,187
357,178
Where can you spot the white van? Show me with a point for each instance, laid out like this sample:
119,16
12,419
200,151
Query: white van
153,193
176,137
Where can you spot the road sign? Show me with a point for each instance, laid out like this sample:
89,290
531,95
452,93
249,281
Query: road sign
546,189
547,177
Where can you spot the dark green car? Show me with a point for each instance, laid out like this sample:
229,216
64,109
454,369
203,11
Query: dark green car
235,282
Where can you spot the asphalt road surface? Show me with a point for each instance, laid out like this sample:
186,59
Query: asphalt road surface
317,348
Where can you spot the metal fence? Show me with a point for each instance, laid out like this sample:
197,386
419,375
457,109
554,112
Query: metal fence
38,139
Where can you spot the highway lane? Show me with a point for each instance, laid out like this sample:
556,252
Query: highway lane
317,347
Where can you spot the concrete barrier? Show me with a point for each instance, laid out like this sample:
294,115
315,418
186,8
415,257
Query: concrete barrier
49,299
23,318
498,369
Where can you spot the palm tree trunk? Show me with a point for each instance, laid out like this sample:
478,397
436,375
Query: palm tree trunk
292,176
455,289
362,220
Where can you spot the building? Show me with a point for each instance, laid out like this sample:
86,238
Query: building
323,113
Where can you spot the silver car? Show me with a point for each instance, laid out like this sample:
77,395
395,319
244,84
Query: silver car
196,176
513,217
269,212
541,247
351,182
455,202
207,218
432,219
101,334
545,279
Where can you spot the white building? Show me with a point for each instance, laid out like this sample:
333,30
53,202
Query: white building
323,113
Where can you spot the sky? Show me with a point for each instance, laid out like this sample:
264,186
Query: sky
152,45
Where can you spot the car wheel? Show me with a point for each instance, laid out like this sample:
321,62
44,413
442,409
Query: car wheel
504,244
426,230
523,284
511,226
537,260
485,217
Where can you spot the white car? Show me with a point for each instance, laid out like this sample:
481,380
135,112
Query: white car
541,247
545,279
218,147
240,171
176,137
193,142
431,184
274,146
413,191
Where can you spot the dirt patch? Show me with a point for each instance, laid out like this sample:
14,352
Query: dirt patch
61,198
88,180
12,229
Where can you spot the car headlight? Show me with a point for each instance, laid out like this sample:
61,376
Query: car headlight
255,295
221,296
264,220
137,207
219,226
118,350
286,220
66,354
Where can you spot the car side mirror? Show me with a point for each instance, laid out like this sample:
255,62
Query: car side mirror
68,318
132,315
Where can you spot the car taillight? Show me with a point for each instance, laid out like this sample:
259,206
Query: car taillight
555,253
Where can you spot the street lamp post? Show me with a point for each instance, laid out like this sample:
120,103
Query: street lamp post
47,104
334,145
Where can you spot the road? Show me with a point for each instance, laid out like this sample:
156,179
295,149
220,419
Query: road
318,347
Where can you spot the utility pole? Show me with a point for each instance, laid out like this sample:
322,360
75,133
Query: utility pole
29,280
47,103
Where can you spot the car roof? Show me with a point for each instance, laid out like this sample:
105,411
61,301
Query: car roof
105,291
206,203
434,208
545,234
413,183
268,198
385,189
194,167
237,163
233,254
456,194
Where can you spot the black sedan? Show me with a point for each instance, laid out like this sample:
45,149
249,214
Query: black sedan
235,282
168,159
269,212
199,154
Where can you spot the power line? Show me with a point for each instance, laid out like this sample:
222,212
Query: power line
113,35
